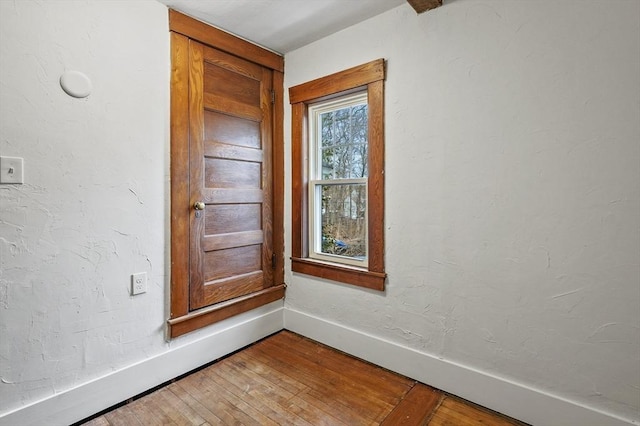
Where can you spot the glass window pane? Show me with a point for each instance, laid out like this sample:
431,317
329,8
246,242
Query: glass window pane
343,145
343,214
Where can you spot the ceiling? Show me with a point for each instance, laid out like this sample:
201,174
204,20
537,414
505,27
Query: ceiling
282,25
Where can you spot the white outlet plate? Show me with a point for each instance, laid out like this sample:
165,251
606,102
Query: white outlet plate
138,283
11,170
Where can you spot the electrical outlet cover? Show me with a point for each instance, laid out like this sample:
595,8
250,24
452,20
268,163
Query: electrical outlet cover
138,283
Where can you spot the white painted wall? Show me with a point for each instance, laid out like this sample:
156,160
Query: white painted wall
513,193
93,209
513,205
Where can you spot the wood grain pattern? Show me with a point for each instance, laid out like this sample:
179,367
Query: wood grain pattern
221,115
228,151
421,6
236,86
345,274
232,196
231,130
246,68
371,76
236,286
220,218
196,174
213,102
456,412
351,78
221,311
287,379
232,239
180,208
222,40
233,261
416,407
229,261
267,175
375,94
223,173
298,179
278,177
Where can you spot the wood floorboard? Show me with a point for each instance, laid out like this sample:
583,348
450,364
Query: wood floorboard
269,373
456,412
123,416
288,379
416,407
189,403
266,400
184,413
303,400
367,375
322,389
98,421
368,401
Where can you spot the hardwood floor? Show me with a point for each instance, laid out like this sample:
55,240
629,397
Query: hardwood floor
287,379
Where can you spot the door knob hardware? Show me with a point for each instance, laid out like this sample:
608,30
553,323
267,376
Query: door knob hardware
198,205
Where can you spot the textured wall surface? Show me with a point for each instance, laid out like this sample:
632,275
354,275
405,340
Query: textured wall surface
513,195
92,209
94,206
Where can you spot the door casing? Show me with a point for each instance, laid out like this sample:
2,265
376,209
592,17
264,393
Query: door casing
182,319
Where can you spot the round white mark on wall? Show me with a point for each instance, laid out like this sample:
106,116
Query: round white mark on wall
76,84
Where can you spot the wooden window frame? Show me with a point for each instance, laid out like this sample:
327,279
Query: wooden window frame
370,77
182,29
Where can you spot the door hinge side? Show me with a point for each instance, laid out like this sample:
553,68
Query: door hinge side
274,260
273,97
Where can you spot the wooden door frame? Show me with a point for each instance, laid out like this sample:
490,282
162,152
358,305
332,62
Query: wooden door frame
183,28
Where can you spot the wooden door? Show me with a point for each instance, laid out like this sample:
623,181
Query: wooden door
230,176
227,151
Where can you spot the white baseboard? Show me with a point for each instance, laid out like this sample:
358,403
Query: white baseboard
516,400
519,401
92,397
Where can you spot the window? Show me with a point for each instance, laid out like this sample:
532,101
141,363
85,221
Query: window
338,176
338,134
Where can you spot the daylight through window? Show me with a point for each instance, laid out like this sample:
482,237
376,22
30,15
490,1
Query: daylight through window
338,136
337,142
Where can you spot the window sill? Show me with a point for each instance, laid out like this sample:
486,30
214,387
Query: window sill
341,273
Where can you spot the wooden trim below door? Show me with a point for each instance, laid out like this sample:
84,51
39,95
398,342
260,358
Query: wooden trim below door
220,311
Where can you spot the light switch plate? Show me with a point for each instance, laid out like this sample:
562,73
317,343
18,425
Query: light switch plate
11,170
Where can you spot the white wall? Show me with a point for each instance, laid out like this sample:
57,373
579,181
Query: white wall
513,193
93,209
513,205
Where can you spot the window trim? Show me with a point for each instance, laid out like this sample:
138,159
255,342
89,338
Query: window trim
369,76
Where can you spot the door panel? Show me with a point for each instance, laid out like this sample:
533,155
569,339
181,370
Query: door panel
236,286
221,218
238,87
229,262
231,130
226,173
230,171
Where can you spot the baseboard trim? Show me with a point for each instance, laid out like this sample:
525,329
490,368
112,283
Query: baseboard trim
513,399
92,397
